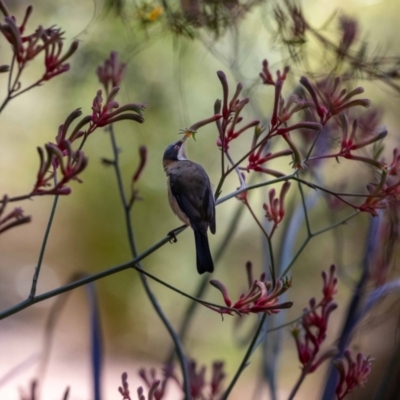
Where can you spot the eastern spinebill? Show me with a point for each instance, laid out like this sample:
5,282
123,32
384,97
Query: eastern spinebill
191,199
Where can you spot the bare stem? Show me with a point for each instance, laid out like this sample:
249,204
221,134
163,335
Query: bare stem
302,376
103,274
241,180
243,364
43,248
311,235
256,219
252,187
203,284
175,338
4,9
11,88
303,202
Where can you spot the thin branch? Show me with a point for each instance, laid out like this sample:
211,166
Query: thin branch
4,9
271,257
243,364
43,247
256,219
255,186
18,198
13,224
127,209
302,376
203,284
252,187
312,235
241,180
37,83
303,202
91,278
10,73
313,145
11,89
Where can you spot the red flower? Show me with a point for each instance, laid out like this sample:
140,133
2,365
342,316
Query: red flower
275,211
104,115
112,72
352,373
124,390
330,100
70,163
261,297
14,218
315,324
227,126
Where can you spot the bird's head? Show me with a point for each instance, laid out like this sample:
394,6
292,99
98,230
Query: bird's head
175,151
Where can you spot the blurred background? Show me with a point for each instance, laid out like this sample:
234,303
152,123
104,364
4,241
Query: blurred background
173,70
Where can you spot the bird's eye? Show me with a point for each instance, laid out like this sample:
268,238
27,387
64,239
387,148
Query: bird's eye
176,147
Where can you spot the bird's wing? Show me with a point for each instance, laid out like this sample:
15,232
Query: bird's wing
209,207
185,198
192,190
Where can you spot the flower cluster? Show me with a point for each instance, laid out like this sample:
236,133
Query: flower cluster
14,218
315,324
352,373
257,159
262,296
351,142
349,28
331,102
230,110
112,72
200,387
156,387
387,190
104,115
124,389
50,41
217,377
266,75
330,99
259,153
61,157
282,112
198,384
70,163
275,211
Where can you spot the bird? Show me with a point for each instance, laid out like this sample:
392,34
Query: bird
191,198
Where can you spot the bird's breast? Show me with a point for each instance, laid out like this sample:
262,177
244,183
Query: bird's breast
175,206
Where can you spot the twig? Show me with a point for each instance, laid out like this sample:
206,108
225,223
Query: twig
303,202
203,285
43,247
243,364
312,235
175,338
302,376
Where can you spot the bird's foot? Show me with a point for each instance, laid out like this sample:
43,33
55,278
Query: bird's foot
172,234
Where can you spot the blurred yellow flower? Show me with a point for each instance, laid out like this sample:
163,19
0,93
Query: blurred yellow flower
155,13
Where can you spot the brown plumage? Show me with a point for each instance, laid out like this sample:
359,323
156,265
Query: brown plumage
190,197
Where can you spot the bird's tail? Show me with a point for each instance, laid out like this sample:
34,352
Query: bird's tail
203,255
